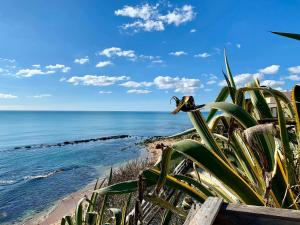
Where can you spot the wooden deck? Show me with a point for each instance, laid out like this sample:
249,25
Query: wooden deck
215,212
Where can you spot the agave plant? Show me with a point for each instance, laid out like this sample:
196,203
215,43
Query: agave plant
89,211
239,152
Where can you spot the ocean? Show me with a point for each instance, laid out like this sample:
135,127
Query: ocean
39,165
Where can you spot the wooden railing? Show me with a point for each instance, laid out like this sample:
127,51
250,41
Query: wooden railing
215,212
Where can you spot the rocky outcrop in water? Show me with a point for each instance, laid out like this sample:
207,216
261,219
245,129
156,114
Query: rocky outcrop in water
75,142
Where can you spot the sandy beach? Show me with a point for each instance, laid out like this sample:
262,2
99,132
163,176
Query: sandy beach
67,205
64,207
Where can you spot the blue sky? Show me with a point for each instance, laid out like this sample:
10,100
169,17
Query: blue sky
135,55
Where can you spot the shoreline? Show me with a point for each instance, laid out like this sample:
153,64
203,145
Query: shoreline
67,205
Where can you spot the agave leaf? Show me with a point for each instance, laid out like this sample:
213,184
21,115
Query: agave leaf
205,133
209,160
186,132
164,167
261,107
63,221
216,187
166,217
119,188
125,210
245,119
117,215
289,35
230,77
220,98
79,212
94,197
69,220
91,218
195,183
278,96
104,201
236,111
166,205
296,105
152,175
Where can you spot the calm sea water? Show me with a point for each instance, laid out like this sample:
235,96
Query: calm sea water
33,179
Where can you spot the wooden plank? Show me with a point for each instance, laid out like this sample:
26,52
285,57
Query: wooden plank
206,214
237,214
266,212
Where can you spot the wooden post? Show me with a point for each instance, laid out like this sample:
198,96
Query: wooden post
206,213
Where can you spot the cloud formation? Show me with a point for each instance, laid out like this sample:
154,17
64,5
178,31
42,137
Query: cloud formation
138,91
104,63
202,55
133,84
294,69
182,85
41,96
148,17
105,92
294,77
272,83
242,79
270,69
82,61
33,72
115,51
93,80
7,96
178,53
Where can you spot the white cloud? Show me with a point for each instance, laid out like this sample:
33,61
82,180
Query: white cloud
104,63
93,80
32,72
141,12
211,82
157,61
207,89
293,77
294,69
41,96
272,83
82,61
133,84
149,17
138,91
182,85
61,67
202,55
179,15
8,60
193,30
238,45
114,51
178,53
36,65
242,79
7,96
148,25
270,69
105,92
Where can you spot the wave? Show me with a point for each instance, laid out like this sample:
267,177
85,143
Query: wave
38,177
7,182
74,142
49,174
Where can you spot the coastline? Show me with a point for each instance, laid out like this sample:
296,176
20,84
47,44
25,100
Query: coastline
67,205
61,208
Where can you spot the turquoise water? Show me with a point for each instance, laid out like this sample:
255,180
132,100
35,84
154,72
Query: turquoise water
32,178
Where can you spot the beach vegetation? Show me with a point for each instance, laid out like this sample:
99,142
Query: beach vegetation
240,152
